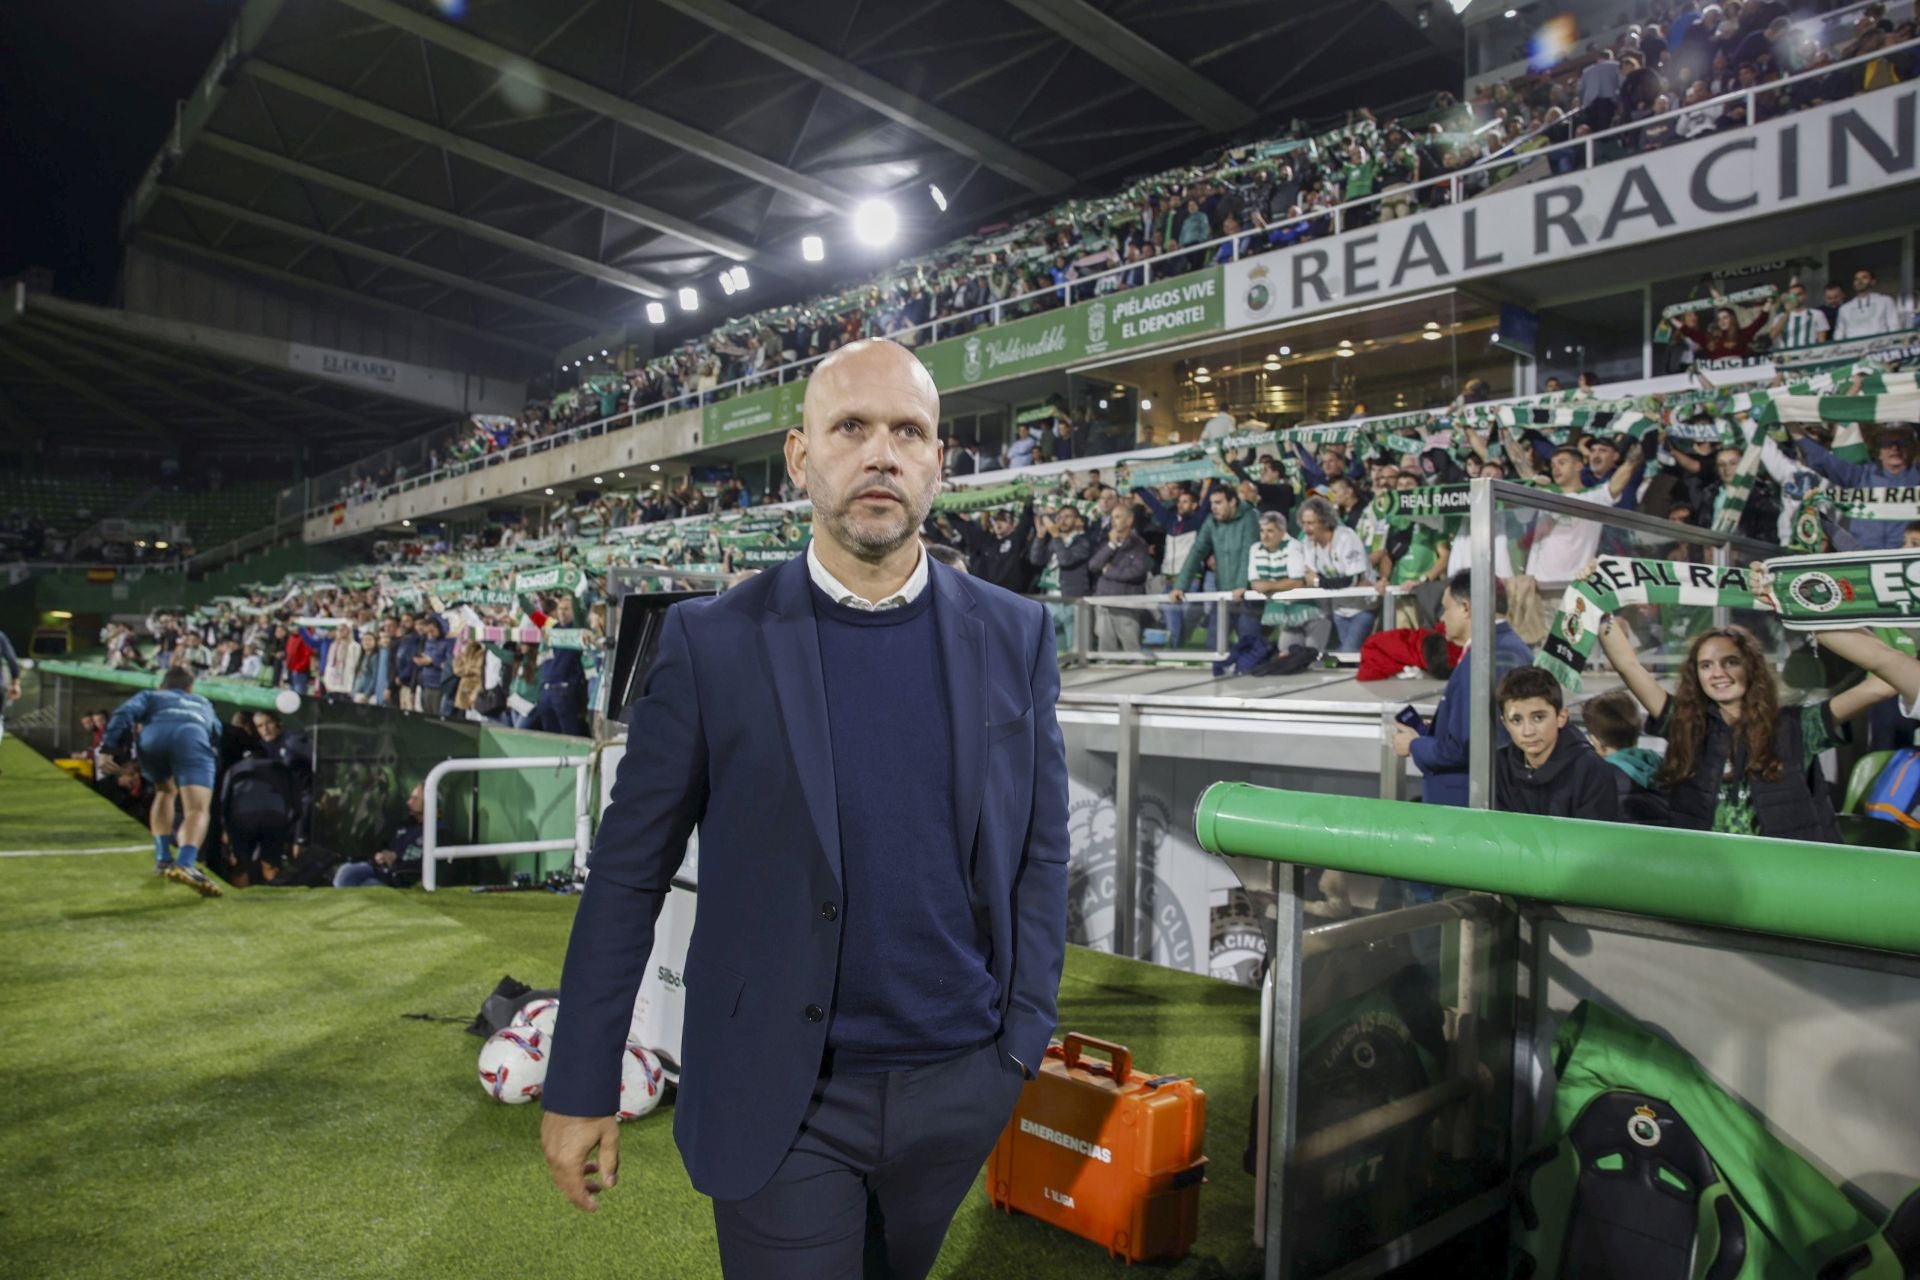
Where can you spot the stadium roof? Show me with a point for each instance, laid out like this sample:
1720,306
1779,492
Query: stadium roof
540,172
94,378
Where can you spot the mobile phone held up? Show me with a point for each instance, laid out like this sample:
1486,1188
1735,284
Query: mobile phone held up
1411,718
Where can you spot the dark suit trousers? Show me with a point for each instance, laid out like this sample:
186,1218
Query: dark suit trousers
872,1180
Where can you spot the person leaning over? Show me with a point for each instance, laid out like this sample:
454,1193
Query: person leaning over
883,875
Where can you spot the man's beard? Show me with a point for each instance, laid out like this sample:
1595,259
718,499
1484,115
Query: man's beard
866,541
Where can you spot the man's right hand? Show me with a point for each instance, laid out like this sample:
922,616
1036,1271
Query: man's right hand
1176,595
568,1141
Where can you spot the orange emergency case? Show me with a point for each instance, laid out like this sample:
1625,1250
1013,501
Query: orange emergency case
1106,1152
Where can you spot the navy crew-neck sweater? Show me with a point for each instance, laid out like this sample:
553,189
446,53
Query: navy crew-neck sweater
915,985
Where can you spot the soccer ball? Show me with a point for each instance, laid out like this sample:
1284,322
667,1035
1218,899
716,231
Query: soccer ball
513,1064
642,1082
540,1014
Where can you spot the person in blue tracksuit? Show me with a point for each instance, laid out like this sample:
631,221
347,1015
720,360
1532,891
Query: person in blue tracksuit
179,745
9,679
563,681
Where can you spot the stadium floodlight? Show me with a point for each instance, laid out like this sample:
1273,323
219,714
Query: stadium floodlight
406,522
161,545
689,300
603,351
875,222
656,313
1145,405
549,491
939,197
1285,350
1103,404
813,248
739,277
653,466
599,480
726,283
1511,13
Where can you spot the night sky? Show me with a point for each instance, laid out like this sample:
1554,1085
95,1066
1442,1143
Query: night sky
87,89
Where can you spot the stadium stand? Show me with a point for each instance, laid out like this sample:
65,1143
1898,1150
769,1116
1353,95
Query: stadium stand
1667,607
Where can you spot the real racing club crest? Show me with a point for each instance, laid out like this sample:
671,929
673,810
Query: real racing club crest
1097,324
1259,292
970,366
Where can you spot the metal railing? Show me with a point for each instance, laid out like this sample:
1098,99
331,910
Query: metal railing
580,842
1338,218
1223,603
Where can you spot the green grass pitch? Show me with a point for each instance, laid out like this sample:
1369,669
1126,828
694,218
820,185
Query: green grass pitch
227,1088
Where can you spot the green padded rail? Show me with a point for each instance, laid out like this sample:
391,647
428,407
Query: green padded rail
232,692
1834,893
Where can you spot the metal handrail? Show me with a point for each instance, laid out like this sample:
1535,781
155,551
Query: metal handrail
1340,214
432,852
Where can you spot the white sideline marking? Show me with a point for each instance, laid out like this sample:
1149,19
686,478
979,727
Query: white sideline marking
55,853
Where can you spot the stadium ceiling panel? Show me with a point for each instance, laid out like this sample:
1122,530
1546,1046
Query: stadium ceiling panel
537,173
103,378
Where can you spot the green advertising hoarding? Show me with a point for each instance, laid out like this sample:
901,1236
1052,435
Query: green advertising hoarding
754,414
1164,311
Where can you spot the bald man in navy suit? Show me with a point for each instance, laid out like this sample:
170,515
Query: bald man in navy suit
874,966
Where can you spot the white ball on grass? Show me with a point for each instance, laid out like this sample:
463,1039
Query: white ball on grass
642,1082
542,1014
513,1064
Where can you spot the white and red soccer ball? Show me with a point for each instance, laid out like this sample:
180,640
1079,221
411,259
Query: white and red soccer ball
642,1082
543,1014
513,1064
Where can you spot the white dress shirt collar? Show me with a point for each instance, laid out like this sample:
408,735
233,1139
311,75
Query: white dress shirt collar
838,591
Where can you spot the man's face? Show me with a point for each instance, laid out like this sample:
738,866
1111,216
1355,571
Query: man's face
869,457
1834,295
564,611
267,727
1122,518
1185,503
1223,504
1108,500
1067,521
1271,535
1553,384
1534,724
1565,468
1892,454
1002,524
1342,493
1333,464
1726,464
417,801
1407,481
1862,281
1317,527
1602,457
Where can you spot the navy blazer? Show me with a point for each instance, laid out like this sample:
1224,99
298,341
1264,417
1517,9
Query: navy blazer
1442,754
730,735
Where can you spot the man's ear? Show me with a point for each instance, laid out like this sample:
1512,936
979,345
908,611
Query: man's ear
1561,722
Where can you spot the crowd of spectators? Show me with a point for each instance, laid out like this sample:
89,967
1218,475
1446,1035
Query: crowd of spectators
1262,195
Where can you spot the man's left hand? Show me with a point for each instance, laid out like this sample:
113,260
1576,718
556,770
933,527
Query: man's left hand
1403,740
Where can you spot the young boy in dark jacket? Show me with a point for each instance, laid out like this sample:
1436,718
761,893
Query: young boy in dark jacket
1546,767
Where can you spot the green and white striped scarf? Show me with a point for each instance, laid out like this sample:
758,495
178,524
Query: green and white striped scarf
1883,397
1623,580
1809,593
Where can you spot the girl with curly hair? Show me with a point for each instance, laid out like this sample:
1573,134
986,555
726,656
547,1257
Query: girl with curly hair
1737,760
